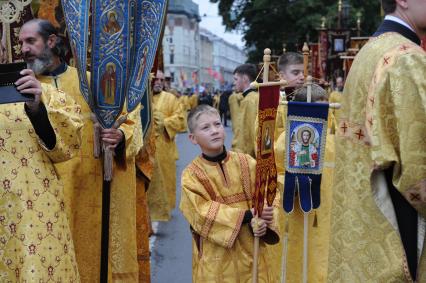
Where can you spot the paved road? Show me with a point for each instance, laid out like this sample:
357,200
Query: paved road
171,246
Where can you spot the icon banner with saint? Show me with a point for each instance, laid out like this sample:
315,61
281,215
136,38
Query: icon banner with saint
305,146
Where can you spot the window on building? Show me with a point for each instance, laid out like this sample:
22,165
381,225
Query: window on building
172,58
172,76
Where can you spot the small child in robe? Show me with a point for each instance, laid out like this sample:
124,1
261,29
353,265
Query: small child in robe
216,199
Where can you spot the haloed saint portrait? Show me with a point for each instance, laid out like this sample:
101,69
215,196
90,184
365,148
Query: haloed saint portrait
305,140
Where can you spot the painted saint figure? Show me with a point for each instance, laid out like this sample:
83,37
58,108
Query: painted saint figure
142,66
109,84
112,26
267,142
303,151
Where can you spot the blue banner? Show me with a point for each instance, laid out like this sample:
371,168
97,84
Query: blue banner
125,37
305,147
148,23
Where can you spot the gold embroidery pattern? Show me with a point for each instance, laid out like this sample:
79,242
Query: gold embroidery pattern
202,177
387,61
245,175
354,132
234,235
211,216
235,198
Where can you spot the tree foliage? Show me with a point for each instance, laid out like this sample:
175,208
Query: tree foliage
272,23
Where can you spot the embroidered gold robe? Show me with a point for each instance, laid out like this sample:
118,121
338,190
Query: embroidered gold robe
35,238
382,123
82,178
234,110
245,135
162,189
214,204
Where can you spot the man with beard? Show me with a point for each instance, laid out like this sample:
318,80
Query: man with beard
377,225
169,119
36,243
82,175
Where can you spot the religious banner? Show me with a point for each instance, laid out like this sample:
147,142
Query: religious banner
266,172
315,59
125,35
323,53
305,147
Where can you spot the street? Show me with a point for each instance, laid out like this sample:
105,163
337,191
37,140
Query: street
171,255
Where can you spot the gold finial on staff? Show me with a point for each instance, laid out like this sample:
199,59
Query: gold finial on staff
305,51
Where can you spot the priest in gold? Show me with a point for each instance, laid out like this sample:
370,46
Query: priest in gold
36,243
377,226
217,191
169,119
82,175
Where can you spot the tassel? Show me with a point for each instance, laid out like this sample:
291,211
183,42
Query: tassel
315,225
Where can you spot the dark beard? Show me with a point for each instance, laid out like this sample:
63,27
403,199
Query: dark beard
42,62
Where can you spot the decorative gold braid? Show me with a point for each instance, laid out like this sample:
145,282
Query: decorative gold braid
240,197
204,180
237,229
245,176
210,217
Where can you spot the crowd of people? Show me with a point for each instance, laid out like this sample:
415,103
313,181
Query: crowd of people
370,225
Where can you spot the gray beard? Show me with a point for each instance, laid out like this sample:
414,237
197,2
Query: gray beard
42,63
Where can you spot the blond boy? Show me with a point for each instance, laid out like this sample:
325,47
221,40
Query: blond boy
217,190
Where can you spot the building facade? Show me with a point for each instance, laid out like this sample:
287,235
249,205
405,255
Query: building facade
194,56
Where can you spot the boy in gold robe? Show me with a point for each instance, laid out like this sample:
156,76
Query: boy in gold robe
245,135
377,225
217,191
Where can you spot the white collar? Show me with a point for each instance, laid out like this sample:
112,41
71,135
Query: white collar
398,20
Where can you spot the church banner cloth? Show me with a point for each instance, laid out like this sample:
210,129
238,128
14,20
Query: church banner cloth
124,39
305,147
266,172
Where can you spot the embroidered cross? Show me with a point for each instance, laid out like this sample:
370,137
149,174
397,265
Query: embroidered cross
344,127
386,60
372,101
360,134
404,47
414,197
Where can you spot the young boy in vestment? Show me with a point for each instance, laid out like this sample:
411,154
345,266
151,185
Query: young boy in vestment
217,192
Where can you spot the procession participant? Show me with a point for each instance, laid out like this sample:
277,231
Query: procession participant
82,175
169,119
224,106
245,136
336,94
320,220
36,242
380,183
217,189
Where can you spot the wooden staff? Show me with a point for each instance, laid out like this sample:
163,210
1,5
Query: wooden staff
266,63
106,190
305,51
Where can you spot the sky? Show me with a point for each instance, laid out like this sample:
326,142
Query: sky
211,21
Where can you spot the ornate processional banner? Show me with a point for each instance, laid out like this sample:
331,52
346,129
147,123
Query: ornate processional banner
305,147
266,172
125,35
